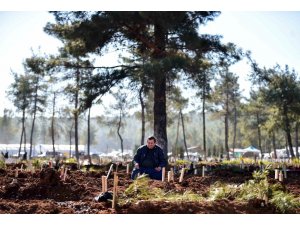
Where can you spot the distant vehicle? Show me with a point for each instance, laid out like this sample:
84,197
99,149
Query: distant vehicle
50,154
265,155
16,155
281,154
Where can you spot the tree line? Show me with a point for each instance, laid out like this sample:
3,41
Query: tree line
159,54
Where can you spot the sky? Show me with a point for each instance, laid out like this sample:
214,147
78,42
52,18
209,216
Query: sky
272,37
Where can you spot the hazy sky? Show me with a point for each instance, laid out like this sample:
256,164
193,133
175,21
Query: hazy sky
272,37
21,32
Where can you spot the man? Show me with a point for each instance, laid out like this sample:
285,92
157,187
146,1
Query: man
149,159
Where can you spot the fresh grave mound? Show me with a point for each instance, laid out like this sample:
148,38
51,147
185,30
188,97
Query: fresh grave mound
223,206
45,192
48,186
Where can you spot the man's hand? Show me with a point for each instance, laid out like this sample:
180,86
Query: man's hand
137,166
158,168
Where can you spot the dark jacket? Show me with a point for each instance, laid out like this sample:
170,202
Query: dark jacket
158,156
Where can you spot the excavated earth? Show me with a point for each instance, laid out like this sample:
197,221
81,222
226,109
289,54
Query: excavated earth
44,192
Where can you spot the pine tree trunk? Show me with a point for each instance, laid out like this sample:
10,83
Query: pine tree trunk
89,136
226,137
31,134
52,124
296,139
119,134
183,131
203,122
160,113
176,140
25,138
70,140
259,132
76,115
288,132
143,114
33,121
226,123
274,144
234,129
22,133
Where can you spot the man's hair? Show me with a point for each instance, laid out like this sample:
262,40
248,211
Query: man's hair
152,138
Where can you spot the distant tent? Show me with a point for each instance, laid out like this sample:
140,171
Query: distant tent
251,152
252,148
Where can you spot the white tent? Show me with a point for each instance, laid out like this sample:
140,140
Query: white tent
249,152
252,148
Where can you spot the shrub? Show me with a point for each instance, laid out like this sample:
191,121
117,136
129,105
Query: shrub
2,164
36,163
140,189
181,162
222,191
285,202
71,160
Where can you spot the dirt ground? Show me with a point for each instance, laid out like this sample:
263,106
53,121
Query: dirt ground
44,192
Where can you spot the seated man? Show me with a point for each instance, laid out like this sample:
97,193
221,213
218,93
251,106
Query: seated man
149,159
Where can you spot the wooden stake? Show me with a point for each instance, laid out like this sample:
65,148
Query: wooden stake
163,174
284,171
117,166
203,171
104,184
115,191
195,172
265,197
21,167
181,175
110,169
169,176
280,176
62,171
127,168
30,167
17,172
50,164
65,174
172,174
276,174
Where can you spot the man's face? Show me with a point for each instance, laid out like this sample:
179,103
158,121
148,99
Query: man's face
150,144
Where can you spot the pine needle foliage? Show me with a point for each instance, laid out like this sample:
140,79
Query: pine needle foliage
220,190
36,163
2,164
141,190
285,202
258,188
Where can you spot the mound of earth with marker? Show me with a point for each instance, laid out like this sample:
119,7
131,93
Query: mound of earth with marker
220,191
